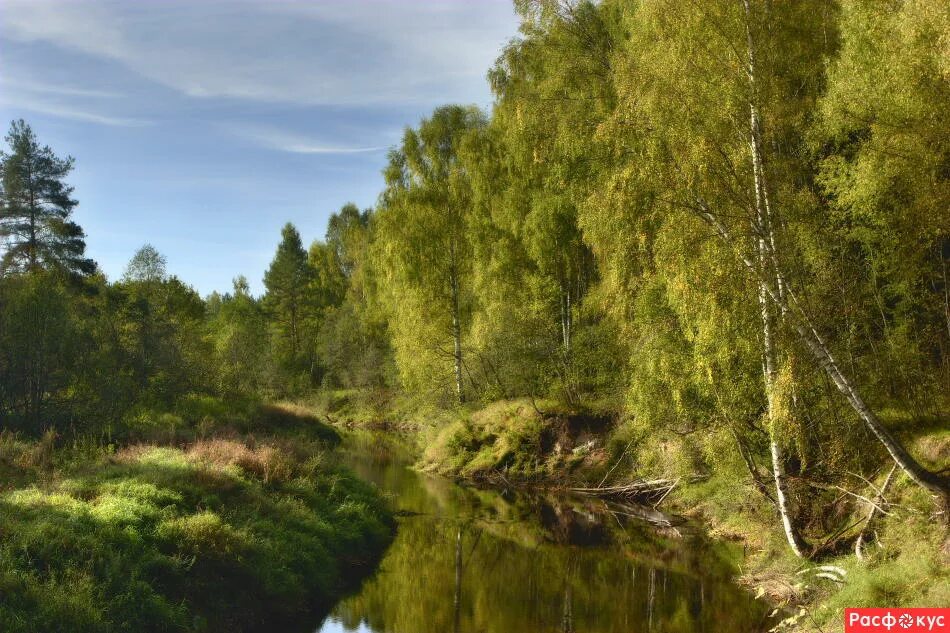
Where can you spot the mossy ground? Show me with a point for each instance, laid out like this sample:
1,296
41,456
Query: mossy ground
218,534
518,441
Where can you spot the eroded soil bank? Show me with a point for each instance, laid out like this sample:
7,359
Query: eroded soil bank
527,444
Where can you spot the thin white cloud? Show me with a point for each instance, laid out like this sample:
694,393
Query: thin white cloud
306,148
284,141
70,112
64,100
313,53
20,85
89,27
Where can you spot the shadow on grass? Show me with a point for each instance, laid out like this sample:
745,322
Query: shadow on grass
288,418
159,540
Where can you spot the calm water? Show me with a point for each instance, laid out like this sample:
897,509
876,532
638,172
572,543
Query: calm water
476,561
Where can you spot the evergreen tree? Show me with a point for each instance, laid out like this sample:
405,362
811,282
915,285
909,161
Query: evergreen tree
289,302
35,207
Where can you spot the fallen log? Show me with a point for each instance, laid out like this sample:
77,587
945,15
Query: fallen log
648,490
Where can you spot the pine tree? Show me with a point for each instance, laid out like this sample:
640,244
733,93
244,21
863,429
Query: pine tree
35,206
287,301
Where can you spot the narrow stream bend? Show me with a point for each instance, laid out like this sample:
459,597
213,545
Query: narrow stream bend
467,560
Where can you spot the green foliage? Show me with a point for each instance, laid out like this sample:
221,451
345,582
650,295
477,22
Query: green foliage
421,232
223,537
35,207
531,170
884,169
352,343
39,355
239,335
290,307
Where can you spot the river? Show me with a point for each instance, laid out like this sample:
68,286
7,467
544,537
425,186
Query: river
468,560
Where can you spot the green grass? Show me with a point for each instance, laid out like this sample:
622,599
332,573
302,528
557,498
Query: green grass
504,437
522,441
225,535
379,409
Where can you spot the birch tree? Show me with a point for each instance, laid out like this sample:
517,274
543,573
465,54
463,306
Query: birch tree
425,248
717,127
690,123
536,163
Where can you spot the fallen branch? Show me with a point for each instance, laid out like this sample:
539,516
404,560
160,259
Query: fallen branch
617,463
819,486
666,494
872,513
633,490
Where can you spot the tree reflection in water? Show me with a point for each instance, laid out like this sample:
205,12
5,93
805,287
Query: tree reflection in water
477,561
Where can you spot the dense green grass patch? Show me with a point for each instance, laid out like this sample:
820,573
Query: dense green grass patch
221,536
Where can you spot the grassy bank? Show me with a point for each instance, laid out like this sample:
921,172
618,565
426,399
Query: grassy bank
907,560
520,441
232,532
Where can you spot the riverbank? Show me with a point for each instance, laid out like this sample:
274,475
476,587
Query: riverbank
519,442
241,525
500,560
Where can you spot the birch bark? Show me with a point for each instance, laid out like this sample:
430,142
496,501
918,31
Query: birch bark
766,251
808,335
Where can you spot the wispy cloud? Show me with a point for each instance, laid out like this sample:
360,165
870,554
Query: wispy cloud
25,102
285,141
19,85
318,53
64,100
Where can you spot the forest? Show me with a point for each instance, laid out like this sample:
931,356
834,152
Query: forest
718,232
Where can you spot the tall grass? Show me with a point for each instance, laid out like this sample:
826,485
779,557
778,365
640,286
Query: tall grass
224,535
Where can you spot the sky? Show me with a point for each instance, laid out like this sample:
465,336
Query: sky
202,126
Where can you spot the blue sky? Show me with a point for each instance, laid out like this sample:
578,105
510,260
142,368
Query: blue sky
202,126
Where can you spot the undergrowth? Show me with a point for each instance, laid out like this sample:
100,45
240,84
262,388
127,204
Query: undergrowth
217,534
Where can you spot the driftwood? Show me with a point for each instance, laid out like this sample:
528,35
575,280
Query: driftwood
632,491
643,513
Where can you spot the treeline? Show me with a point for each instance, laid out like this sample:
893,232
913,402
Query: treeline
80,352
726,220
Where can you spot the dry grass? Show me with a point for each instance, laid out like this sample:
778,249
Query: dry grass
39,455
267,462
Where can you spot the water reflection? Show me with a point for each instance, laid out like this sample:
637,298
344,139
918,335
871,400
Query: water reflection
477,561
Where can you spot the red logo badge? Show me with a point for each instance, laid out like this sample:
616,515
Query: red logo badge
897,620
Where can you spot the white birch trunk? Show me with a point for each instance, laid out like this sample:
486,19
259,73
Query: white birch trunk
456,331
766,248
819,349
